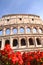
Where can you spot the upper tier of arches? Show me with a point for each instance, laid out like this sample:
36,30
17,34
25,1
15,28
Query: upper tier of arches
21,30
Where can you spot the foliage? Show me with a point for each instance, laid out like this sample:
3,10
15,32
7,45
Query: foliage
9,57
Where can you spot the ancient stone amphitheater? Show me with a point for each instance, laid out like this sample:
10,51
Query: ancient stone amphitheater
24,32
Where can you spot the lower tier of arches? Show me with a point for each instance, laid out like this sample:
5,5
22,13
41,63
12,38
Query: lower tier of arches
22,43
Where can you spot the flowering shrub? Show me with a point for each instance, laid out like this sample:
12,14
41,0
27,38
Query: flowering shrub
9,57
33,58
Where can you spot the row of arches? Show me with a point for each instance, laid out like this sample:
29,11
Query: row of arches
22,30
23,42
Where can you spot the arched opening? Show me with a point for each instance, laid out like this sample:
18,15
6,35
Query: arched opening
7,42
40,30
34,30
7,31
15,42
21,30
23,42
1,32
0,43
31,41
28,30
14,30
38,41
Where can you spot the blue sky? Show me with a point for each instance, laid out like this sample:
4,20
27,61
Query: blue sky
21,7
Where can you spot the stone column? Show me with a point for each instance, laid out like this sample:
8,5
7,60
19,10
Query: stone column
31,29
18,30
35,42
4,31
11,42
25,30
19,44
3,44
42,41
27,42
11,30
38,29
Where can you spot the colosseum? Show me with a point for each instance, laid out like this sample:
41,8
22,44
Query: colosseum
24,32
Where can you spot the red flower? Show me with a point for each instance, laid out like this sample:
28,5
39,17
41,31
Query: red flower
14,60
2,52
28,63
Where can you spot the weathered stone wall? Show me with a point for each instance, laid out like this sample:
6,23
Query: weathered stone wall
30,39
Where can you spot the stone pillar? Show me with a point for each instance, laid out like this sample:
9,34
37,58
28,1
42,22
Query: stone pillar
11,42
11,30
38,30
35,42
25,30
42,41
18,30
27,42
3,44
19,44
31,29
4,31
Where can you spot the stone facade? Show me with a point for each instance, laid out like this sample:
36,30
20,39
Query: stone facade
24,32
